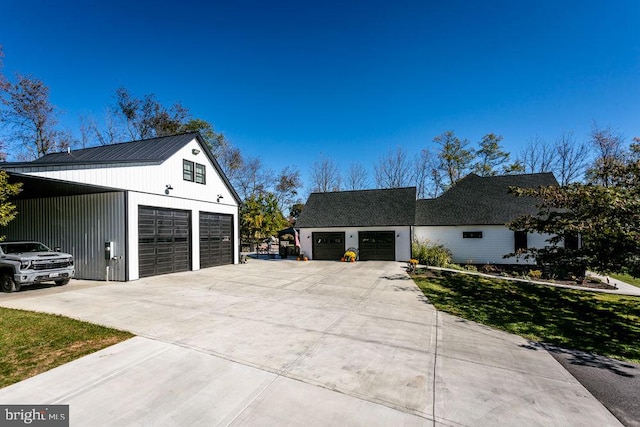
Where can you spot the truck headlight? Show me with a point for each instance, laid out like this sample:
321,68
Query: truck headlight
25,265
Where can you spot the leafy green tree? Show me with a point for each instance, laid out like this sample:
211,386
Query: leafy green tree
7,191
490,156
216,141
455,158
146,118
260,217
606,217
296,210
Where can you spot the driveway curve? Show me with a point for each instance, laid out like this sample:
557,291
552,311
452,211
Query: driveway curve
279,342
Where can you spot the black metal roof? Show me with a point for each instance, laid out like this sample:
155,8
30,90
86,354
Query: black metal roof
476,200
153,150
362,208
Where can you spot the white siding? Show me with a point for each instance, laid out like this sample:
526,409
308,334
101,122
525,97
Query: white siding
403,239
144,199
145,178
496,241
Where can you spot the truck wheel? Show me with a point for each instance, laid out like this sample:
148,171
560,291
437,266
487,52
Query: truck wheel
7,284
62,282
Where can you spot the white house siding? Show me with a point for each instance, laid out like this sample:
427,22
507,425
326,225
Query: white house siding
144,177
496,241
78,225
403,238
136,199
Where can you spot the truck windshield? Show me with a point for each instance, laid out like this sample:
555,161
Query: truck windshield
17,248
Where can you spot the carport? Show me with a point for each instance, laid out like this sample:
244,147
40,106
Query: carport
77,218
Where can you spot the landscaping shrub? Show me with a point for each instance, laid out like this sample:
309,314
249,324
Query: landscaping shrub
430,254
535,274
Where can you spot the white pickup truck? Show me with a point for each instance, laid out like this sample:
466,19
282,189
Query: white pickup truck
27,263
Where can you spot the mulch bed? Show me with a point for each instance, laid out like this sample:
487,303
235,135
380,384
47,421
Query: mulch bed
589,283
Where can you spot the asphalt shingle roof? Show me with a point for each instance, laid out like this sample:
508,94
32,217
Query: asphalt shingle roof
363,208
476,200
153,150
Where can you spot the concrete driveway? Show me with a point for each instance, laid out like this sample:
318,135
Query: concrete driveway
278,342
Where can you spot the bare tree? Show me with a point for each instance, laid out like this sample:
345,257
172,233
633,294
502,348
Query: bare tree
288,183
357,177
231,162
570,158
609,145
29,117
538,156
111,131
393,169
252,179
325,176
426,175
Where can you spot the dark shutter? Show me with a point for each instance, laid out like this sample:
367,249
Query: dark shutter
520,238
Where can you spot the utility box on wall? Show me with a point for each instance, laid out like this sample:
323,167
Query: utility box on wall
109,250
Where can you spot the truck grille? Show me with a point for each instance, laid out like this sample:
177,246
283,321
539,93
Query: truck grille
49,265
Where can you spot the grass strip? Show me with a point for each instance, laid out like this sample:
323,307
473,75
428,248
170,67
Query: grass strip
32,343
604,324
635,281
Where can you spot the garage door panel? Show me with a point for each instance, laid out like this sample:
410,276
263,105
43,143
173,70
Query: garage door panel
216,241
163,241
328,245
377,245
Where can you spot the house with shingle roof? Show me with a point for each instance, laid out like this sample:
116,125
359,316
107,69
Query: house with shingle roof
469,219
130,210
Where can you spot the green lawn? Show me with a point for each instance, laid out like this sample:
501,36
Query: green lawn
627,279
604,324
31,343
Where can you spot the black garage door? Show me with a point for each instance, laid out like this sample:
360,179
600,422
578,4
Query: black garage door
163,240
377,245
328,245
216,239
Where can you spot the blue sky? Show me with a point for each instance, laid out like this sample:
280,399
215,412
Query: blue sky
286,81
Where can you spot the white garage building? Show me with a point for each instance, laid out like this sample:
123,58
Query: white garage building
375,222
130,210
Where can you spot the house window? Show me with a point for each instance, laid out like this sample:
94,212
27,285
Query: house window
472,234
520,239
201,174
187,170
571,242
